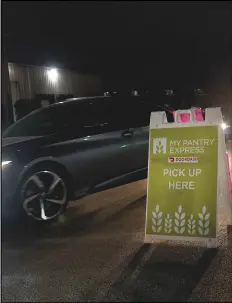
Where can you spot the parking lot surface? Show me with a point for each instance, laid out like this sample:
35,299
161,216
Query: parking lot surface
98,254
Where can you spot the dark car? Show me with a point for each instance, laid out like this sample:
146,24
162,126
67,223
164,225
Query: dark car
71,149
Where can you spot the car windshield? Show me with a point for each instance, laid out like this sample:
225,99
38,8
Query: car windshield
38,123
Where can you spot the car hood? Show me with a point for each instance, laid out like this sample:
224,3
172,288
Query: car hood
13,140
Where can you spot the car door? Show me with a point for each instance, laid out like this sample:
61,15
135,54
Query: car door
112,142
115,139
93,142
79,145
134,119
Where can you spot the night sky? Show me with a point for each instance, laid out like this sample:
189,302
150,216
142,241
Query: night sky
139,44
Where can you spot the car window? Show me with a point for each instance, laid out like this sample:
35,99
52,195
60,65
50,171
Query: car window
35,124
79,115
141,113
134,112
131,114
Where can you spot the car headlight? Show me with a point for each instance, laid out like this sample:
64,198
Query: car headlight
6,163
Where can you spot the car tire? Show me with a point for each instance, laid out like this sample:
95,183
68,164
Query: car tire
43,193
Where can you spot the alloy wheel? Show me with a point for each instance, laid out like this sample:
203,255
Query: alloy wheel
44,195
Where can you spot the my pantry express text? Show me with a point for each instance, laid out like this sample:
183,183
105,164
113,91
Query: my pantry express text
190,146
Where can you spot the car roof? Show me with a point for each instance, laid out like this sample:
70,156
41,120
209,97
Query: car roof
80,99
84,98
117,98
91,98
76,100
110,97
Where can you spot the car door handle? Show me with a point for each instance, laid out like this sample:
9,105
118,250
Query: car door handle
127,133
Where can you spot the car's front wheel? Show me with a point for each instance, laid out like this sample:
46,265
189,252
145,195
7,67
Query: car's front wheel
44,194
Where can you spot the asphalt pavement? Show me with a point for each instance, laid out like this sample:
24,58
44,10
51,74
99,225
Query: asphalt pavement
98,255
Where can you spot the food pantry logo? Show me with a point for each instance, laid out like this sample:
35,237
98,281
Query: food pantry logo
159,145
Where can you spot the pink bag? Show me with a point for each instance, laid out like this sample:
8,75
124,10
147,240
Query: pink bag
185,117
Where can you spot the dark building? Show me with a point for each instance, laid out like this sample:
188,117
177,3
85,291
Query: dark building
44,85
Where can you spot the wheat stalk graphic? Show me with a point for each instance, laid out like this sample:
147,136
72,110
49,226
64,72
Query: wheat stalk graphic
168,224
191,225
203,222
159,147
179,221
157,220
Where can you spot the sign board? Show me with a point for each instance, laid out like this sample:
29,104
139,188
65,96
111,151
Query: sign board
182,194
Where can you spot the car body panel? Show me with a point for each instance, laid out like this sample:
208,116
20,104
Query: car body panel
89,160
96,156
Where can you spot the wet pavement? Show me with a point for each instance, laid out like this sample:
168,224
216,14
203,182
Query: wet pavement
98,254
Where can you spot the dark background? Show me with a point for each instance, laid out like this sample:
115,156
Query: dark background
130,44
